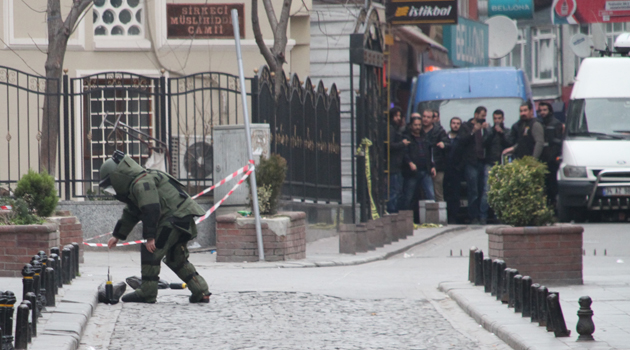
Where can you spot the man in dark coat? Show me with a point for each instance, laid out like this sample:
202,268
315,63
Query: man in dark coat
554,131
396,152
440,145
453,172
418,168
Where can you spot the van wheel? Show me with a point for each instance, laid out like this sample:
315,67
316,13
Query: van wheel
564,212
568,214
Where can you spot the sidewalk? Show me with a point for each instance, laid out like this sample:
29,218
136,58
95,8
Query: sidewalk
61,327
606,281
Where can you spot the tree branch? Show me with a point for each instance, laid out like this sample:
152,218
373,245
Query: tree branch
271,15
78,7
264,50
280,35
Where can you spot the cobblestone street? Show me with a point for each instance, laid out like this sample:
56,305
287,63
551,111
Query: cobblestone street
284,320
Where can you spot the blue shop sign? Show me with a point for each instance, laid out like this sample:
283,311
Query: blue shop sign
514,9
467,43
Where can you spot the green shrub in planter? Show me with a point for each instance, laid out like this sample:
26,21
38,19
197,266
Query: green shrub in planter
270,175
517,193
39,193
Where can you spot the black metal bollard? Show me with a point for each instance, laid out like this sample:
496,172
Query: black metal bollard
7,300
33,299
505,290
526,285
487,275
471,264
66,265
29,335
21,328
510,287
55,253
43,258
557,319
52,263
518,293
57,266
479,268
585,326
27,279
70,261
543,292
500,270
37,278
50,286
493,276
533,301
76,258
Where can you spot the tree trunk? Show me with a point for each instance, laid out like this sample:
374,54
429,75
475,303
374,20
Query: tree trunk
58,33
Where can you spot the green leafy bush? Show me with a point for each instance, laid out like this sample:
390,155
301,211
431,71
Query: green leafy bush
39,193
270,175
19,214
517,193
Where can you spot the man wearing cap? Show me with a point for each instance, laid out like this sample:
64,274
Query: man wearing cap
168,217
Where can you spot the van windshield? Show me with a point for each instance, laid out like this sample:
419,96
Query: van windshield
599,117
465,108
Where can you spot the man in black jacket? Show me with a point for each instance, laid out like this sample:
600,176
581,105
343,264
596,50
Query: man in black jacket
418,169
453,172
527,135
396,152
440,144
495,143
554,131
472,135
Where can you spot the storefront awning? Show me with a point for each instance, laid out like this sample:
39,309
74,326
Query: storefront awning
415,36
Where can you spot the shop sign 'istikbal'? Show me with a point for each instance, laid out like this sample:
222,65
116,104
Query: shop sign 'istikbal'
403,12
203,21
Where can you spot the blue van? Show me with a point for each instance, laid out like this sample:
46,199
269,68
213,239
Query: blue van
457,92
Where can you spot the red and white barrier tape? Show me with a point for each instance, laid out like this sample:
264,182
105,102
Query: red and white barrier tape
222,182
99,236
211,210
5,207
117,245
200,219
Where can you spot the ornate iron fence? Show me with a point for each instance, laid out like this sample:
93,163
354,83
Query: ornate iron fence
305,126
145,116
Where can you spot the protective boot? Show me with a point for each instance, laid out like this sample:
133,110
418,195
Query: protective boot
134,297
177,260
150,269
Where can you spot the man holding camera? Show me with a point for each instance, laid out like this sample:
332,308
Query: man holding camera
472,135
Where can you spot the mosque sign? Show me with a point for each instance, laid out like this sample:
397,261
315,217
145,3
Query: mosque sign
203,21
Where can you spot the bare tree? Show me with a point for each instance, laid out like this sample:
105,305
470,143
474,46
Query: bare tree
59,31
275,57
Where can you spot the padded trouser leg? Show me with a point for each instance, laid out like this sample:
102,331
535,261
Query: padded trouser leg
150,270
177,260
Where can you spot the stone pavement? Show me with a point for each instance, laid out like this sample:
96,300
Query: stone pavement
61,327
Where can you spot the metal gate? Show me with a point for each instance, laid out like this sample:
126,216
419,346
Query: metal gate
366,51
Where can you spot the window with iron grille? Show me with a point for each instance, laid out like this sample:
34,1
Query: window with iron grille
126,104
118,18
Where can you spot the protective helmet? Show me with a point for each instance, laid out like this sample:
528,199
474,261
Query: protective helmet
117,173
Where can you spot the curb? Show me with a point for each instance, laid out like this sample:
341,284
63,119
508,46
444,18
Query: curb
67,322
513,326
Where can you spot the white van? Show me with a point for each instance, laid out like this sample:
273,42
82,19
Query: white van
594,173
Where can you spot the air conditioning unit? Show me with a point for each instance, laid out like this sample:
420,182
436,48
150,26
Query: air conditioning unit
192,157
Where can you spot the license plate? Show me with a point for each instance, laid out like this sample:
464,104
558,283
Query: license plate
616,191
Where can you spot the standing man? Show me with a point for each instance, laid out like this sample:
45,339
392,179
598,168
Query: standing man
453,172
472,134
552,149
168,223
440,144
527,134
436,118
396,152
418,166
495,143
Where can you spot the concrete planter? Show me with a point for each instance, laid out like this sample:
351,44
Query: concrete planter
284,237
550,255
373,234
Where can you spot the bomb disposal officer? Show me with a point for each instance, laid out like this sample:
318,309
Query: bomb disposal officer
167,214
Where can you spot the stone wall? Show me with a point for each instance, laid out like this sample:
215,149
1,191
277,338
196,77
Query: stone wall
284,237
21,242
548,254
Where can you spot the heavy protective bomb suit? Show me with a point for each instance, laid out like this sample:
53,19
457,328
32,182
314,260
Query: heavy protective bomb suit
167,213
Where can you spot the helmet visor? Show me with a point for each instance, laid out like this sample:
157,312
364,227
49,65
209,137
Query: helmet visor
106,182
110,190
